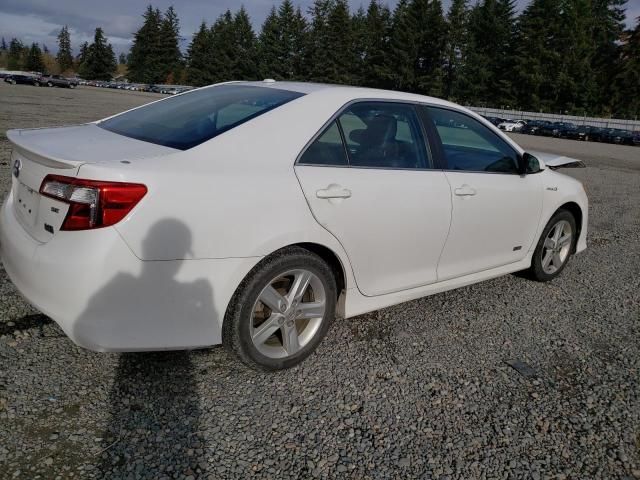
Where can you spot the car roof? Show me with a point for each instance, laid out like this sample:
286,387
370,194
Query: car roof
310,88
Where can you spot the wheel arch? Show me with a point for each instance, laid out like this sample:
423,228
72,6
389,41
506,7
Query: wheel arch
574,209
332,259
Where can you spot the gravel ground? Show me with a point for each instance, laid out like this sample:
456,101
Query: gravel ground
424,389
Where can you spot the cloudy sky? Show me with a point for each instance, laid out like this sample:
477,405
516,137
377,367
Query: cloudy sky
41,20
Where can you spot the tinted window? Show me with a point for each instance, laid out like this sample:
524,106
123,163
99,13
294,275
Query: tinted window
383,135
469,145
327,149
187,120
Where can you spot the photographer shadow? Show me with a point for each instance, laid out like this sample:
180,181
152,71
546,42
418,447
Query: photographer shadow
154,408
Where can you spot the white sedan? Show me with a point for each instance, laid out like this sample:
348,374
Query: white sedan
254,213
512,125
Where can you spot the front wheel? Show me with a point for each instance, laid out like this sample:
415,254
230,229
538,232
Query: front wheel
281,310
49,84
554,247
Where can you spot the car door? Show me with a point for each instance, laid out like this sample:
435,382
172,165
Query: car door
368,179
496,210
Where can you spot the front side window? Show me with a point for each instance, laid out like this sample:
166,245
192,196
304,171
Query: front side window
383,135
469,145
192,118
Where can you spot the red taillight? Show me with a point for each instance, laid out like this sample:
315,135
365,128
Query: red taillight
92,203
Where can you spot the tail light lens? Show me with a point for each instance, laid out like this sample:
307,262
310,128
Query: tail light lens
92,203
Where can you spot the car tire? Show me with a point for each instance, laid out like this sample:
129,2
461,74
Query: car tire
283,335
36,84
13,82
554,247
71,85
49,84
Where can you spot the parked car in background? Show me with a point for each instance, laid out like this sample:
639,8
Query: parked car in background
512,125
149,253
636,138
58,81
619,136
533,127
22,80
555,129
582,132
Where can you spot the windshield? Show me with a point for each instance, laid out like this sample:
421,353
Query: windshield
190,119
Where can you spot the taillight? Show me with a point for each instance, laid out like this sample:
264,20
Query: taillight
92,203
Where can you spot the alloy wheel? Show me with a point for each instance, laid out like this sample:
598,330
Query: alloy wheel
557,247
288,313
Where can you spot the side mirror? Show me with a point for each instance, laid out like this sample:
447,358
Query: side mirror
528,164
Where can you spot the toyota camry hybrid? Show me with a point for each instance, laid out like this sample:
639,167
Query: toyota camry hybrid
254,213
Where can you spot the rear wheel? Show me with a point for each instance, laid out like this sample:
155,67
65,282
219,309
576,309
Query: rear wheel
49,84
554,248
281,311
13,82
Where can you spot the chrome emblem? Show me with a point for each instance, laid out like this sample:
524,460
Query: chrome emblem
17,165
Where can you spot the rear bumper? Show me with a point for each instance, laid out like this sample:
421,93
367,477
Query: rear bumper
106,299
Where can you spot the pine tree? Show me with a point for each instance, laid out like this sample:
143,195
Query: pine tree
377,33
455,49
282,43
537,60
33,61
245,53
199,56
320,61
14,56
402,48
270,47
45,49
3,45
293,28
487,73
607,26
64,56
170,57
223,39
100,60
430,46
626,98
359,41
576,87
146,63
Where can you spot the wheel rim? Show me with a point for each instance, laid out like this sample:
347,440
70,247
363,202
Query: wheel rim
557,246
288,313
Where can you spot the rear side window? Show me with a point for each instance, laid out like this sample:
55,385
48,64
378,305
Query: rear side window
327,149
469,145
384,135
190,119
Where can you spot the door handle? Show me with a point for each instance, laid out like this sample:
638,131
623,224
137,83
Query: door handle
334,191
465,191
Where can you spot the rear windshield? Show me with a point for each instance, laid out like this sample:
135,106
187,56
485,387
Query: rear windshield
187,120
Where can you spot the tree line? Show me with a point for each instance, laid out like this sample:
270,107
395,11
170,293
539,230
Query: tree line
95,60
570,56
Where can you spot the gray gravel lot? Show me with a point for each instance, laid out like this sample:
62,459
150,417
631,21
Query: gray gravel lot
423,389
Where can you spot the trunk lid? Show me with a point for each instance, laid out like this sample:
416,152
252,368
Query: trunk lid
61,151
